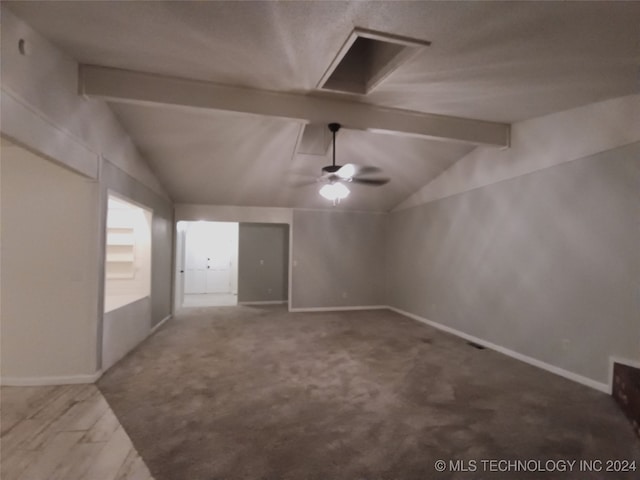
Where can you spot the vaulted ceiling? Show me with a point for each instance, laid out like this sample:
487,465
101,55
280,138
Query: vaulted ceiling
492,61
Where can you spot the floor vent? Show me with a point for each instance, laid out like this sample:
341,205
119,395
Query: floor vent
476,345
366,59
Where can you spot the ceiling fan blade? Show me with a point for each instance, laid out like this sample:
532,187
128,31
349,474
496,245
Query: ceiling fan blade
367,169
303,183
370,181
350,170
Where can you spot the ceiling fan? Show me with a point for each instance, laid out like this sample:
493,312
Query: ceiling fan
335,176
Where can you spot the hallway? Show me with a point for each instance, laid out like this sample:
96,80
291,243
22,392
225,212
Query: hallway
210,300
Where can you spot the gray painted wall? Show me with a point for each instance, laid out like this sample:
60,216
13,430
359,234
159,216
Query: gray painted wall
338,259
118,181
122,329
263,262
546,264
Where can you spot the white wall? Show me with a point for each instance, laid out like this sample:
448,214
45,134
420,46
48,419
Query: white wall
45,84
41,110
49,270
230,213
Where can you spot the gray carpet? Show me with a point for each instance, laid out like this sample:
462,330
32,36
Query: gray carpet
259,393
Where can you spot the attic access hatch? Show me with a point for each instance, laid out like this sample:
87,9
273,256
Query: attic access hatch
366,59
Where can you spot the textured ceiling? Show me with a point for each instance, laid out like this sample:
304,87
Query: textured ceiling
499,61
235,159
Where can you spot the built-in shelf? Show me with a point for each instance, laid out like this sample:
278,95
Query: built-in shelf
120,254
121,276
120,257
120,239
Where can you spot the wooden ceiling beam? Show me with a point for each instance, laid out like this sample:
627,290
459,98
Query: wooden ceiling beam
126,86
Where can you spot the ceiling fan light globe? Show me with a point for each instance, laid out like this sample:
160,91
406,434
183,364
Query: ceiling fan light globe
334,191
347,171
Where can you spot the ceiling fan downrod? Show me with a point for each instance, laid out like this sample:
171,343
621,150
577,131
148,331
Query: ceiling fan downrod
333,128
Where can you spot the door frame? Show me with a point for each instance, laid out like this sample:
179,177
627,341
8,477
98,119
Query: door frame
180,260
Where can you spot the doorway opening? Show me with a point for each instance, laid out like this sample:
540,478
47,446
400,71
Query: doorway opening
207,264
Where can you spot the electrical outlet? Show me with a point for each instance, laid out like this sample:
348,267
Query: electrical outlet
565,344
269,290
344,295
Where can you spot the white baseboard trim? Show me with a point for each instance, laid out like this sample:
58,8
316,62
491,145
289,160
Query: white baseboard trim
44,381
589,382
268,302
339,309
159,324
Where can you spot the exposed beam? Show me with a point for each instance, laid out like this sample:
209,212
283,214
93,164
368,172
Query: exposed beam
136,87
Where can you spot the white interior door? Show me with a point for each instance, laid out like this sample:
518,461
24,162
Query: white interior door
218,273
195,272
211,250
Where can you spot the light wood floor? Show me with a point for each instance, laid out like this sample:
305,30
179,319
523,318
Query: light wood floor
64,433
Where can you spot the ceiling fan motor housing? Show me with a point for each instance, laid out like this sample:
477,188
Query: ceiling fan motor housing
331,168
